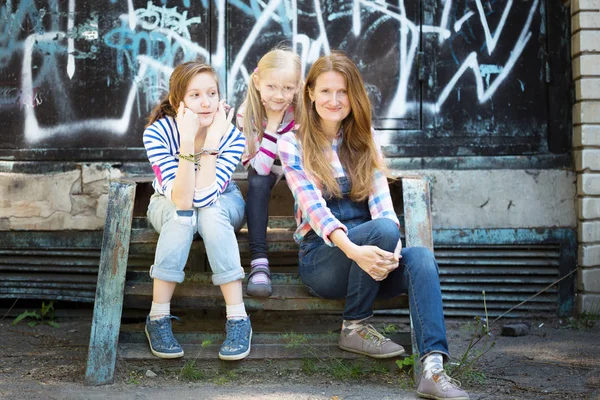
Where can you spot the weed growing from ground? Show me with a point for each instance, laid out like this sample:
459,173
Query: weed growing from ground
46,316
294,340
586,320
467,369
189,372
135,378
390,328
206,343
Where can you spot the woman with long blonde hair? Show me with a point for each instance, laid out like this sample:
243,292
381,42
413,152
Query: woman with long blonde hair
347,229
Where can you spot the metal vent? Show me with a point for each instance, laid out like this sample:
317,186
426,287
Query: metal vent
508,274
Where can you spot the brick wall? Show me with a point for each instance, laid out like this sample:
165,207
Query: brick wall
585,24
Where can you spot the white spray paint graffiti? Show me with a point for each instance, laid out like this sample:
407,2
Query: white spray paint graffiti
152,39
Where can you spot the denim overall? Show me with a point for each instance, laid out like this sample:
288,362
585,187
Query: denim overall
330,274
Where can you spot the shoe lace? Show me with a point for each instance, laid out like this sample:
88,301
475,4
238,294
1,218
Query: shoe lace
445,381
375,336
235,331
166,335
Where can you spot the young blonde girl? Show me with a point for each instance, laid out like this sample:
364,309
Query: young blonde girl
271,109
193,149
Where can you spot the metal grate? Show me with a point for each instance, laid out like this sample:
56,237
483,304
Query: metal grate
508,273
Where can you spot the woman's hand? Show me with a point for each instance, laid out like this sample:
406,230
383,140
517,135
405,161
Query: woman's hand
187,123
220,123
274,117
374,261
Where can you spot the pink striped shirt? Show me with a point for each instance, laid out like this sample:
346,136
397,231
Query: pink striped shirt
266,149
311,209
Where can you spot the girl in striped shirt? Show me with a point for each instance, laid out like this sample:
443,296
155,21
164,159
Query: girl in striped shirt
194,149
348,232
270,110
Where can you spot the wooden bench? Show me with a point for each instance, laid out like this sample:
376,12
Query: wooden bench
127,236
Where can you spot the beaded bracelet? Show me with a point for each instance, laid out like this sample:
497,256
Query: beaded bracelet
209,151
188,157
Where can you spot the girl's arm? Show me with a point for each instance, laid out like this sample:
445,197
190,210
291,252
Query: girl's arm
265,156
307,196
220,168
160,141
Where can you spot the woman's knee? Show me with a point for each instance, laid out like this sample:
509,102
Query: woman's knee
420,259
385,234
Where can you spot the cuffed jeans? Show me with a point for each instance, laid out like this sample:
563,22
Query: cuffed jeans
257,211
216,225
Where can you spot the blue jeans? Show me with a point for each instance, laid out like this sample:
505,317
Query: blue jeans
329,273
257,211
216,225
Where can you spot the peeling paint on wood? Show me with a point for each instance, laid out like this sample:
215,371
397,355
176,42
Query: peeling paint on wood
102,352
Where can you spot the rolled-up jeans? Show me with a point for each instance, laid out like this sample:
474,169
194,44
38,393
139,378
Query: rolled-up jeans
216,225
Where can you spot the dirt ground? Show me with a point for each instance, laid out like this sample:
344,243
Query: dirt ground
558,359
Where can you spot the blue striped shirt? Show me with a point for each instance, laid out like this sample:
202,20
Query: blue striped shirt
161,140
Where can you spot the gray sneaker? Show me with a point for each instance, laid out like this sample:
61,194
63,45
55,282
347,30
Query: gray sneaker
365,340
160,337
441,387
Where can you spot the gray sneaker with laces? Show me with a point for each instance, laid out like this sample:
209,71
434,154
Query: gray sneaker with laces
160,337
440,386
364,339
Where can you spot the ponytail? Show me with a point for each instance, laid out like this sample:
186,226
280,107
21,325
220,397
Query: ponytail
163,109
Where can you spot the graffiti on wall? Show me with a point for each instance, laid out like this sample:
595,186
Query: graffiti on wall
99,67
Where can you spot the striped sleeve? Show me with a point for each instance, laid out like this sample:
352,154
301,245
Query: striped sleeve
380,200
160,143
307,195
231,149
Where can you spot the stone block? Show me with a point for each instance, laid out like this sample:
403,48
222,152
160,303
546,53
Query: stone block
588,232
587,88
586,135
586,65
588,208
585,20
26,195
102,206
584,5
588,255
587,160
57,221
515,330
585,41
587,302
588,280
586,112
588,184
83,205
471,199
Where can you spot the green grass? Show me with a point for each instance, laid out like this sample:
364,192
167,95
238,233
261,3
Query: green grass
189,372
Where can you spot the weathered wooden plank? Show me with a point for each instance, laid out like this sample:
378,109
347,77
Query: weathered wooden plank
108,307
417,213
285,297
417,231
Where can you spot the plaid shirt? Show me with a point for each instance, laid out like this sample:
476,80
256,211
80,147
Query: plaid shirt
311,209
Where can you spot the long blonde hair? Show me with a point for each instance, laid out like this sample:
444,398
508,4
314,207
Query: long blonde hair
280,58
357,151
178,83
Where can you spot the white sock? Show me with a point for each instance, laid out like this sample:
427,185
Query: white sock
236,311
159,310
432,363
